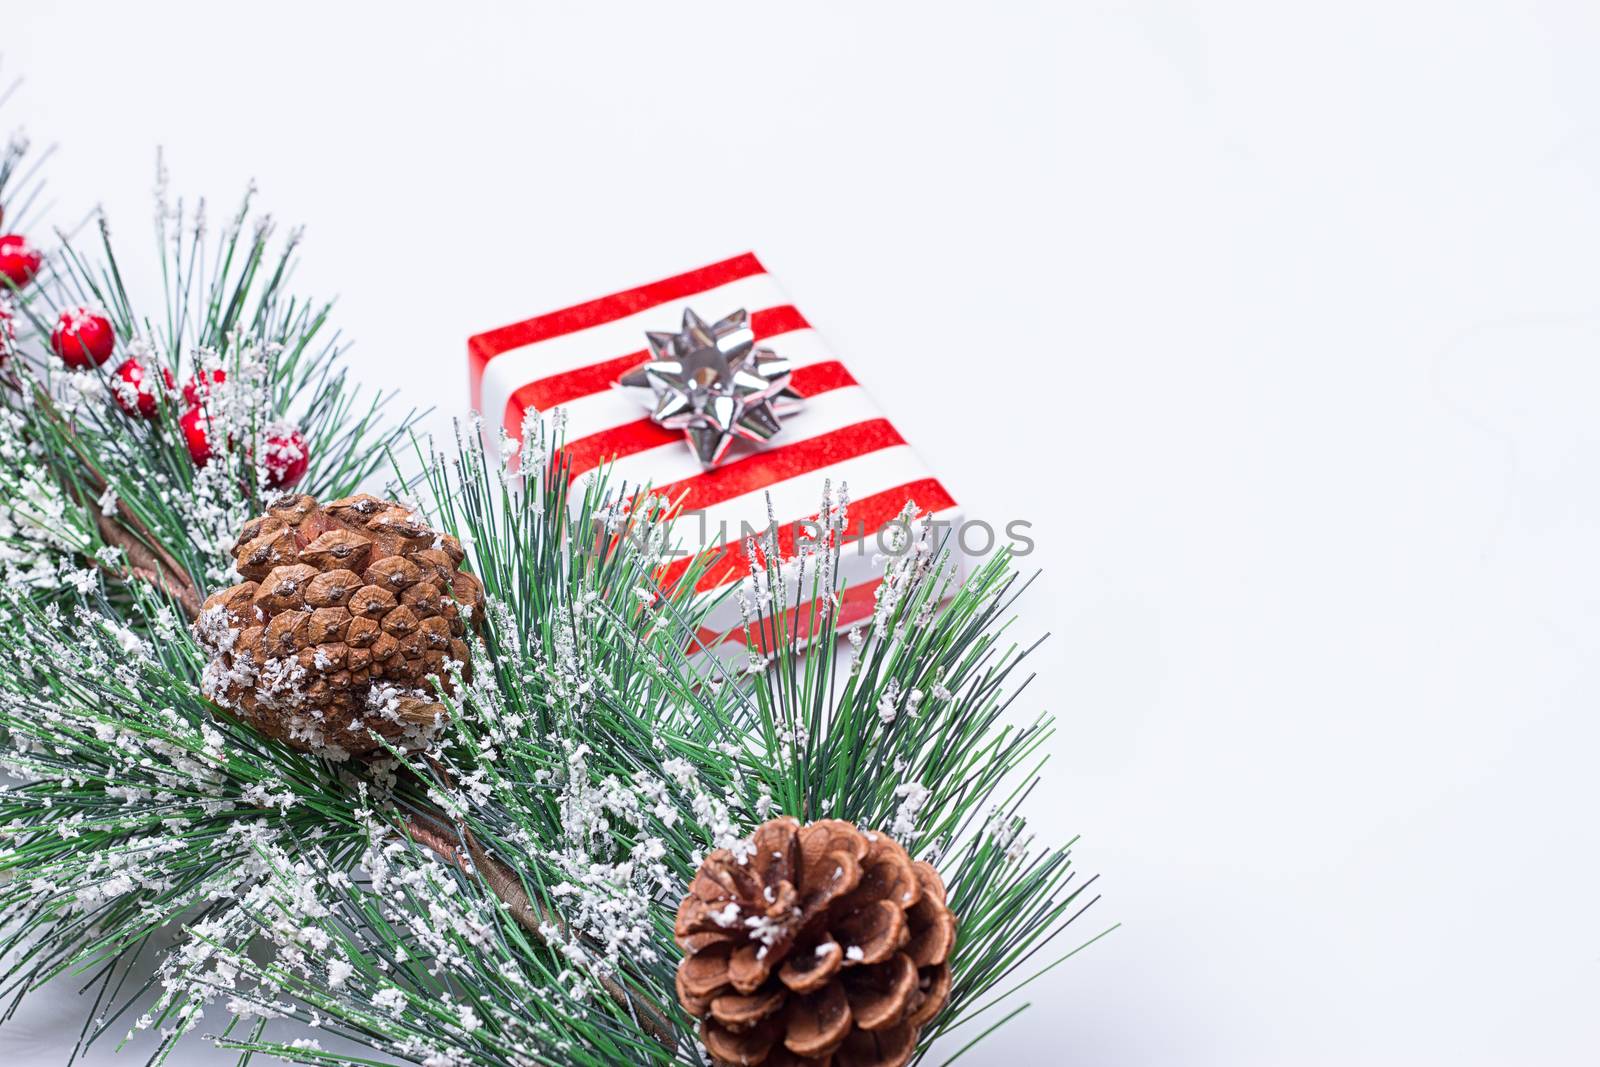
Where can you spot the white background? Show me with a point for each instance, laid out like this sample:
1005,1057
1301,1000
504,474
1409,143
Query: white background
1281,323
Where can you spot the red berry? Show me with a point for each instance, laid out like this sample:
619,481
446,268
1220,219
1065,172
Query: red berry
196,426
198,389
286,456
83,338
134,392
19,261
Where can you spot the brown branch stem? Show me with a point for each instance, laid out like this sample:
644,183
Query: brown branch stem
469,856
153,566
147,558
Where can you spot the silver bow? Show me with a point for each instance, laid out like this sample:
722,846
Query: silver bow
714,384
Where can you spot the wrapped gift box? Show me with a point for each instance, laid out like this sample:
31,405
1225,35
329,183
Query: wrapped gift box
571,359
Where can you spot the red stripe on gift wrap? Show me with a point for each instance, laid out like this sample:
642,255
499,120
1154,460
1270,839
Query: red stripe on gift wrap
762,469
866,517
485,346
856,603
589,452
546,393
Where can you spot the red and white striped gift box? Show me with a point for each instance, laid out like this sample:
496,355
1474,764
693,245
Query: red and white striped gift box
571,358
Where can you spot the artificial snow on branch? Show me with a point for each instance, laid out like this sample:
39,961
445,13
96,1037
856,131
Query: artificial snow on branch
454,773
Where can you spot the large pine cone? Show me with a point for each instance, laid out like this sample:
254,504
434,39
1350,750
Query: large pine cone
347,610
824,945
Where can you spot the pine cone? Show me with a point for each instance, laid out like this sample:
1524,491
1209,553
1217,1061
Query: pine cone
347,610
824,945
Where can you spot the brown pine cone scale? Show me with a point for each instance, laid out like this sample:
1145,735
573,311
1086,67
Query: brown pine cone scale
822,945
347,612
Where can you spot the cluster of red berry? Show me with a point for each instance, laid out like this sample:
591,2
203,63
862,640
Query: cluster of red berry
84,339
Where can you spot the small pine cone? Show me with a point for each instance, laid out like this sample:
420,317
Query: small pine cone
824,945
346,610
